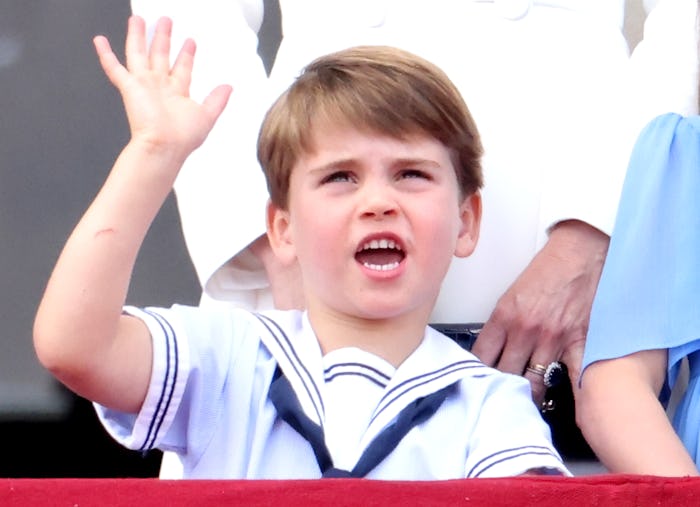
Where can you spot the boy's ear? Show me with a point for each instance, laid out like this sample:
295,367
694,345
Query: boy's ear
279,233
470,215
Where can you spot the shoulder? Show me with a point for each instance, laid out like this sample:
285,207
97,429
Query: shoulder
666,122
660,136
221,330
217,319
292,320
444,355
671,124
474,375
669,140
437,344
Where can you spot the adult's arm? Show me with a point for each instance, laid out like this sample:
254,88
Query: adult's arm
543,315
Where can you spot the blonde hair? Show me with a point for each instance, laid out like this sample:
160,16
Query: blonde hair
374,88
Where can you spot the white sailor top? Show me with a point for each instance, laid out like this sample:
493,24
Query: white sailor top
208,401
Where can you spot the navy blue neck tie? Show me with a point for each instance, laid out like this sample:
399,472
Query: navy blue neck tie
289,409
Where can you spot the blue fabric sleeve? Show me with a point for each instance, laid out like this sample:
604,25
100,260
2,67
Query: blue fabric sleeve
649,293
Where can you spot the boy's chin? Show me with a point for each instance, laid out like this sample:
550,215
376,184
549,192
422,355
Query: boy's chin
385,310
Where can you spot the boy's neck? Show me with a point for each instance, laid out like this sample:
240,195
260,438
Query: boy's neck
391,339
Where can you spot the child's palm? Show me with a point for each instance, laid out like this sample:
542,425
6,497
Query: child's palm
156,96
159,112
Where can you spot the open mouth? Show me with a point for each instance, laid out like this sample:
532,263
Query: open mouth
380,254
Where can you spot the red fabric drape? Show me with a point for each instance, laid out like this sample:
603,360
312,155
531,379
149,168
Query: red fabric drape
602,490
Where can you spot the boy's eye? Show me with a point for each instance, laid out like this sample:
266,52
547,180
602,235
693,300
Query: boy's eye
338,177
414,173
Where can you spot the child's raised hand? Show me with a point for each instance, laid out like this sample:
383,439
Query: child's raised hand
156,94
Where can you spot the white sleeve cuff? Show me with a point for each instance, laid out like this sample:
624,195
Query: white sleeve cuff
146,429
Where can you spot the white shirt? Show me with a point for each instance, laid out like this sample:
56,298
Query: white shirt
663,76
208,401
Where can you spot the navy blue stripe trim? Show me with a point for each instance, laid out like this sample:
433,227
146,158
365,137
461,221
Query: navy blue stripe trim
521,451
295,364
359,366
409,385
174,375
170,373
357,374
471,363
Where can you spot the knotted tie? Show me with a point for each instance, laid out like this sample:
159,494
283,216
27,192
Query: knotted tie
289,409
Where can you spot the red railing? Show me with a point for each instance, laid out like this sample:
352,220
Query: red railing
601,490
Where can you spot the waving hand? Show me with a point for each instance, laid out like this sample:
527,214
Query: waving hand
156,94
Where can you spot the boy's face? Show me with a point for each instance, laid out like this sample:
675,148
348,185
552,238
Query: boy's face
374,222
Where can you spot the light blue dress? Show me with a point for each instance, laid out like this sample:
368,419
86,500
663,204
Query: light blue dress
649,293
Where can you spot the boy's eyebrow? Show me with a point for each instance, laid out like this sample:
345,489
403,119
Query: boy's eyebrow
415,161
336,165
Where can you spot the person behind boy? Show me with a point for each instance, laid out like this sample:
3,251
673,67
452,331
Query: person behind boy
373,165
645,320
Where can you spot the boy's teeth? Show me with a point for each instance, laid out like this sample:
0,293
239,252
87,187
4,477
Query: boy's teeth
381,254
376,244
382,267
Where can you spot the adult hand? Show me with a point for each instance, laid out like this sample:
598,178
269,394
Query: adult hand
543,316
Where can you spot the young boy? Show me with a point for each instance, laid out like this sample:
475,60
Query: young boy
373,165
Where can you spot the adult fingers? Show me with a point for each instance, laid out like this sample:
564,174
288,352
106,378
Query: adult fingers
529,353
535,374
490,343
573,358
544,369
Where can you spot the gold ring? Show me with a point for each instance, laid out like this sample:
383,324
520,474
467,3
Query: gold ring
536,369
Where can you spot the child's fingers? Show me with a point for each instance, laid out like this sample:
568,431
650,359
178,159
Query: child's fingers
160,46
114,70
216,101
182,68
136,55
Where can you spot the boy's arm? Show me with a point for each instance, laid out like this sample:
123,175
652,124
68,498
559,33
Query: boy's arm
80,333
624,422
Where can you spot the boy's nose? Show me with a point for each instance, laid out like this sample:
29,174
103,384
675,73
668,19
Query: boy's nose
377,202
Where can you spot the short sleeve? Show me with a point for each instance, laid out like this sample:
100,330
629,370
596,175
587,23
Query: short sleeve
200,356
647,295
166,388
